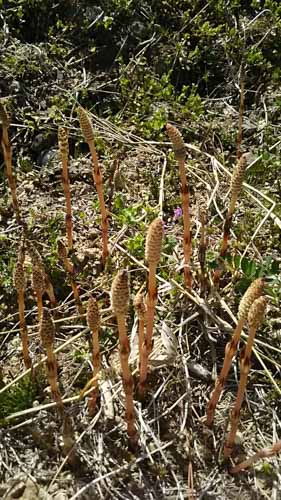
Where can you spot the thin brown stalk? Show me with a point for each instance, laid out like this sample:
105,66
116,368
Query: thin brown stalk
38,285
253,292
120,301
20,284
263,453
64,154
93,320
152,255
236,186
69,440
255,318
7,152
88,133
141,313
241,112
47,334
202,251
180,155
69,268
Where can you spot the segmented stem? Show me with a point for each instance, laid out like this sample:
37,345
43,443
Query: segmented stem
141,313
202,250
69,268
7,152
180,154
255,318
153,247
236,186
38,285
19,283
37,261
64,154
47,334
120,302
253,292
87,130
93,320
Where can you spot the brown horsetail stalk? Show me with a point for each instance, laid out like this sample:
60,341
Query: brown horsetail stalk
153,247
254,291
20,284
7,152
202,249
180,155
69,268
235,189
120,293
37,261
38,285
64,154
263,453
88,133
141,313
255,318
241,111
47,335
93,321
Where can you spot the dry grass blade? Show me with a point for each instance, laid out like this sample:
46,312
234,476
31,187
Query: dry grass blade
180,154
87,130
263,453
64,153
255,318
252,293
120,301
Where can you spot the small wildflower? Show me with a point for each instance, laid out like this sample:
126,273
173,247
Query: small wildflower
177,213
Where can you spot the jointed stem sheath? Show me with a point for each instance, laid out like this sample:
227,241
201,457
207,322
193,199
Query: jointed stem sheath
186,223
128,382
230,351
24,332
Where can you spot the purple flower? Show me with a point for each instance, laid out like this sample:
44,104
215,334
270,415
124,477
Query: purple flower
177,213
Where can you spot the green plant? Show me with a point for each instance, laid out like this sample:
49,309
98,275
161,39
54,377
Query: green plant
19,397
